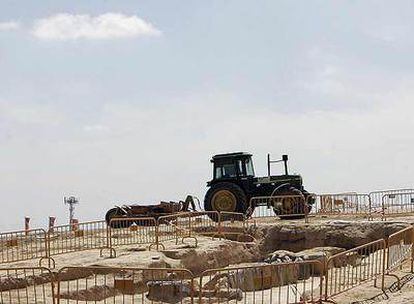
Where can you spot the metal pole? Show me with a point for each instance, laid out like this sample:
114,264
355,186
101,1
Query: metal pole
268,164
285,160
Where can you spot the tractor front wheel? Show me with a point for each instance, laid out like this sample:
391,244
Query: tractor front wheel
225,197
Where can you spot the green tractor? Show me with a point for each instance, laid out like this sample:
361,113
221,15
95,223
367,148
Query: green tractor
235,188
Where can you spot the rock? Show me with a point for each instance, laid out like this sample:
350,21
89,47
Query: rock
319,254
150,274
13,283
169,291
280,255
219,255
346,234
137,249
93,294
252,276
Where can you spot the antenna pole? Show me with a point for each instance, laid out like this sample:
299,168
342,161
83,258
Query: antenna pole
71,201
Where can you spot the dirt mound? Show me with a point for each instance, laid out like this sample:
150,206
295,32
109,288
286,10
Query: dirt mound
345,234
218,255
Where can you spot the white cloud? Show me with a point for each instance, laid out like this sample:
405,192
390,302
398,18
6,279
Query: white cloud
105,26
9,26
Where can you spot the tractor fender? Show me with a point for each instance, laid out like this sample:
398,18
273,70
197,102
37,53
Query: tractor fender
280,188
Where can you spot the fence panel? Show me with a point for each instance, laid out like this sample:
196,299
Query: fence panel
235,226
283,206
400,249
174,226
204,223
124,285
297,282
26,286
376,196
22,245
128,231
351,268
77,237
342,204
397,203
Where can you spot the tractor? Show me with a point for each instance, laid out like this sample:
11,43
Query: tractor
234,184
233,188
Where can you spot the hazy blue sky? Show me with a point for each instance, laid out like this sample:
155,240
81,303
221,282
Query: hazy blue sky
125,101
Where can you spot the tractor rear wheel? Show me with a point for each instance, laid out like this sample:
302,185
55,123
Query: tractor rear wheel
293,206
225,197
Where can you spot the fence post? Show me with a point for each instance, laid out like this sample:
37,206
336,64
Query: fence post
157,231
383,207
189,224
47,247
108,235
219,226
326,278
412,250
385,260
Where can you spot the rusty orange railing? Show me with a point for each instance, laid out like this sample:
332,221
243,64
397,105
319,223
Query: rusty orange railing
295,282
77,237
124,285
23,245
353,267
27,286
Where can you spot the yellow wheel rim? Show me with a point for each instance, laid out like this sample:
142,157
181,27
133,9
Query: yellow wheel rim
288,205
224,200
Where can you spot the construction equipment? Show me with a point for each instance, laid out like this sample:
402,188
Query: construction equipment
231,189
234,184
145,211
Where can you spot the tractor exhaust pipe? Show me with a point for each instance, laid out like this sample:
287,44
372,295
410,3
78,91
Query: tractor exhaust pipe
284,160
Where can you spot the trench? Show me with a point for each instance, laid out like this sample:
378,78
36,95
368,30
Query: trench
292,237
235,251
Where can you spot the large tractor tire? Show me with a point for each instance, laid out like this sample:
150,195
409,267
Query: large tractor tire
225,197
293,206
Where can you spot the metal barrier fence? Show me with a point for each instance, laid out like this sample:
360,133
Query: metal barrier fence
204,223
176,226
376,196
128,231
342,204
36,243
23,245
124,285
296,282
26,286
283,206
397,203
351,268
400,249
77,237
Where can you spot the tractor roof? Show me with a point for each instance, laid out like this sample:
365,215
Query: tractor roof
231,155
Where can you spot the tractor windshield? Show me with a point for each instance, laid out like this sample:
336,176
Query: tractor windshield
249,167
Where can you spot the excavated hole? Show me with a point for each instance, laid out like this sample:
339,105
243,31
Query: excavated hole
264,239
299,238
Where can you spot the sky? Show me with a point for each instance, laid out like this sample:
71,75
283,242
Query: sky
120,102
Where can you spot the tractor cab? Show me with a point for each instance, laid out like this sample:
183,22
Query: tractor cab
232,166
234,184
